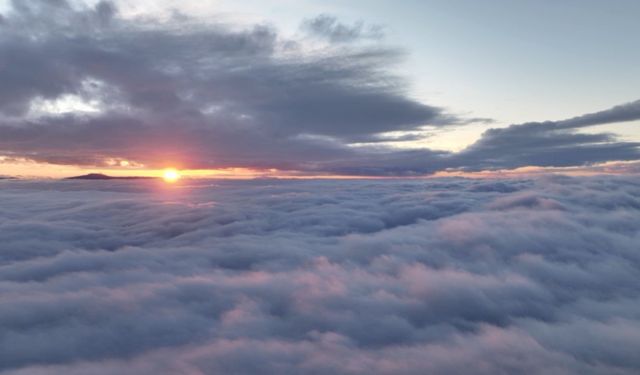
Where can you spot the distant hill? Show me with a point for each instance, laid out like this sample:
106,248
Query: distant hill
100,176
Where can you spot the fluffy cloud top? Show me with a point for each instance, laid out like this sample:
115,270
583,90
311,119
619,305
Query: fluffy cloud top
536,276
82,85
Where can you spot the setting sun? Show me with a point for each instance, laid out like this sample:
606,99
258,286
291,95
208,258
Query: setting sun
171,175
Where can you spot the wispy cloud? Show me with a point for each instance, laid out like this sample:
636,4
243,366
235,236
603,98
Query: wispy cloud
329,27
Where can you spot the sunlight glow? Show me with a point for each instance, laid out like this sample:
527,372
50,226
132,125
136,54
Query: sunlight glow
170,175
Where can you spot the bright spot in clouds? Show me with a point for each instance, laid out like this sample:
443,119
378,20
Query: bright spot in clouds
171,175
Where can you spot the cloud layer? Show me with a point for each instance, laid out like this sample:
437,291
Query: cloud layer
82,85
533,276
199,95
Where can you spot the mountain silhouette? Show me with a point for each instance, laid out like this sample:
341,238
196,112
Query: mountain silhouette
100,176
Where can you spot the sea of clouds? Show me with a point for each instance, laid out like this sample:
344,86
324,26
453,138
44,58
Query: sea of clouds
437,276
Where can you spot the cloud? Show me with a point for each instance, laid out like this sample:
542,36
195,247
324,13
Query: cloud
345,277
82,85
553,144
206,95
329,27
621,113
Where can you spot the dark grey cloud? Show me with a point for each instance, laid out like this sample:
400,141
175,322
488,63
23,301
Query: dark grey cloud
553,144
531,276
218,96
200,95
621,113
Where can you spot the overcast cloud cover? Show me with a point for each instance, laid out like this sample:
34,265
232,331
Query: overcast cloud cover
83,85
455,276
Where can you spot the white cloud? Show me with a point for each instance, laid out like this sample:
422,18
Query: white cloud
343,277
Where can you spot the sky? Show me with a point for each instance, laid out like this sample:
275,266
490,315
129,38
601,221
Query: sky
311,88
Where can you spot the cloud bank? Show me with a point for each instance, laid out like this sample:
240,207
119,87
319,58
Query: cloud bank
536,276
82,85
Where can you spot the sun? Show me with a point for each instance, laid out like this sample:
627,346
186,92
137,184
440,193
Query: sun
171,175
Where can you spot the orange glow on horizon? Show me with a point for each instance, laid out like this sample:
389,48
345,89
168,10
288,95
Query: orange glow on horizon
28,169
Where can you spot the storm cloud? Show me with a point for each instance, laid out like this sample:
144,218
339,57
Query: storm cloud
509,276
